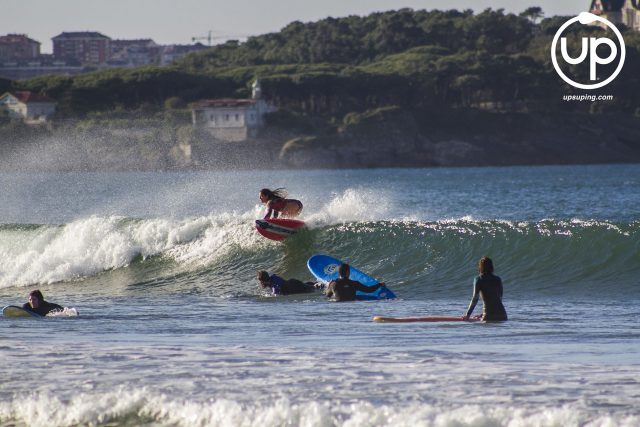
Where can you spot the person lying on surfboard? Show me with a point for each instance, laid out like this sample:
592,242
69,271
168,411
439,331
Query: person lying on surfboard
277,203
344,289
489,287
280,286
38,305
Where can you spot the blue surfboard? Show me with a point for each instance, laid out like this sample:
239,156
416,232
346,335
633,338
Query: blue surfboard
325,269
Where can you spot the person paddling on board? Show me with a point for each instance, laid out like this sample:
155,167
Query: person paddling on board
280,286
489,287
38,305
344,289
277,203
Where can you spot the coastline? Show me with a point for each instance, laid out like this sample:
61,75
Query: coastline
389,137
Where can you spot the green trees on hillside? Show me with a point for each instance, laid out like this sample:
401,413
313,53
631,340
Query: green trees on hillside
357,40
127,89
414,59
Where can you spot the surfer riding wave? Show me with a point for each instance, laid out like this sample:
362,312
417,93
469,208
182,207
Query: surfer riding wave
278,204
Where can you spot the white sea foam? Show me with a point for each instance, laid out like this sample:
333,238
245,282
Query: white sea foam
219,235
88,246
353,205
47,409
80,248
66,312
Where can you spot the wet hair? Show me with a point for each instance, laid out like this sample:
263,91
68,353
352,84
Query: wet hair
278,193
36,293
263,276
344,270
485,265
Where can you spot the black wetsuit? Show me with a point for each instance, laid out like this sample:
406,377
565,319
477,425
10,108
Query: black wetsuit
489,287
43,308
345,289
280,286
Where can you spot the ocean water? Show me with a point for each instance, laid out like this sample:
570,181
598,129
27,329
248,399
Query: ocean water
173,330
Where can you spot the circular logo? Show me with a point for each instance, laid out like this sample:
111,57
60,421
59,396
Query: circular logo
331,268
587,18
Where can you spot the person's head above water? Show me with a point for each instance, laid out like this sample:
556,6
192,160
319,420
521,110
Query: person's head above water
266,194
344,270
35,298
485,265
263,278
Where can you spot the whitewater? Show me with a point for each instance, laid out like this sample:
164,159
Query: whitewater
174,330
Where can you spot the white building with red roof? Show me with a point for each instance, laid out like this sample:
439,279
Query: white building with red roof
28,106
232,119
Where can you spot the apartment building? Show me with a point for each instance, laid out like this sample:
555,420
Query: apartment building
87,47
17,47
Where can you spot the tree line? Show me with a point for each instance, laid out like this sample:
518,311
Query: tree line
409,58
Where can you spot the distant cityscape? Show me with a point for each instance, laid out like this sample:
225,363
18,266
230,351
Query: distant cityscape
78,52
85,51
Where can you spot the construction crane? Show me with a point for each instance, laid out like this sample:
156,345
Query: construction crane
209,37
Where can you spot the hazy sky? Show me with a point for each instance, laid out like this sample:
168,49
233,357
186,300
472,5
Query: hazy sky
173,21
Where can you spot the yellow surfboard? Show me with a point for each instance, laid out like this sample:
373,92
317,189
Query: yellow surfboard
15,311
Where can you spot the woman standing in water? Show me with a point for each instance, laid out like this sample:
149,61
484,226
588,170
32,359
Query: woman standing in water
489,287
277,203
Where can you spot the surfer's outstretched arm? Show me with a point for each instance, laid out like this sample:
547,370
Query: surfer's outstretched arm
367,289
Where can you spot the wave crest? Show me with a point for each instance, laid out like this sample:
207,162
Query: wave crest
420,258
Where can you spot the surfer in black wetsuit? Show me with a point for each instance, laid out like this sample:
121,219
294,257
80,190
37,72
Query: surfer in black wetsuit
280,286
38,305
489,287
344,289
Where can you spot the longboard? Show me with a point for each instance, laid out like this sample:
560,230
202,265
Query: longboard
278,228
383,319
15,311
325,269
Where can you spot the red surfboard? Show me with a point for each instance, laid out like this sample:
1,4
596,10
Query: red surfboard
383,319
278,228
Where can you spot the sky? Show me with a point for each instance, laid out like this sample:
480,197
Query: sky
178,22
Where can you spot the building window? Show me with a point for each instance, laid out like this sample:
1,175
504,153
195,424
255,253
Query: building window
226,117
237,117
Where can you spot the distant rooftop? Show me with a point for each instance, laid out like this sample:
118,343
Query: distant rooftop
132,41
224,102
28,96
80,34
12,38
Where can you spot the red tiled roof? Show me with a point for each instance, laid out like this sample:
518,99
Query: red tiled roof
28,96
224,102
